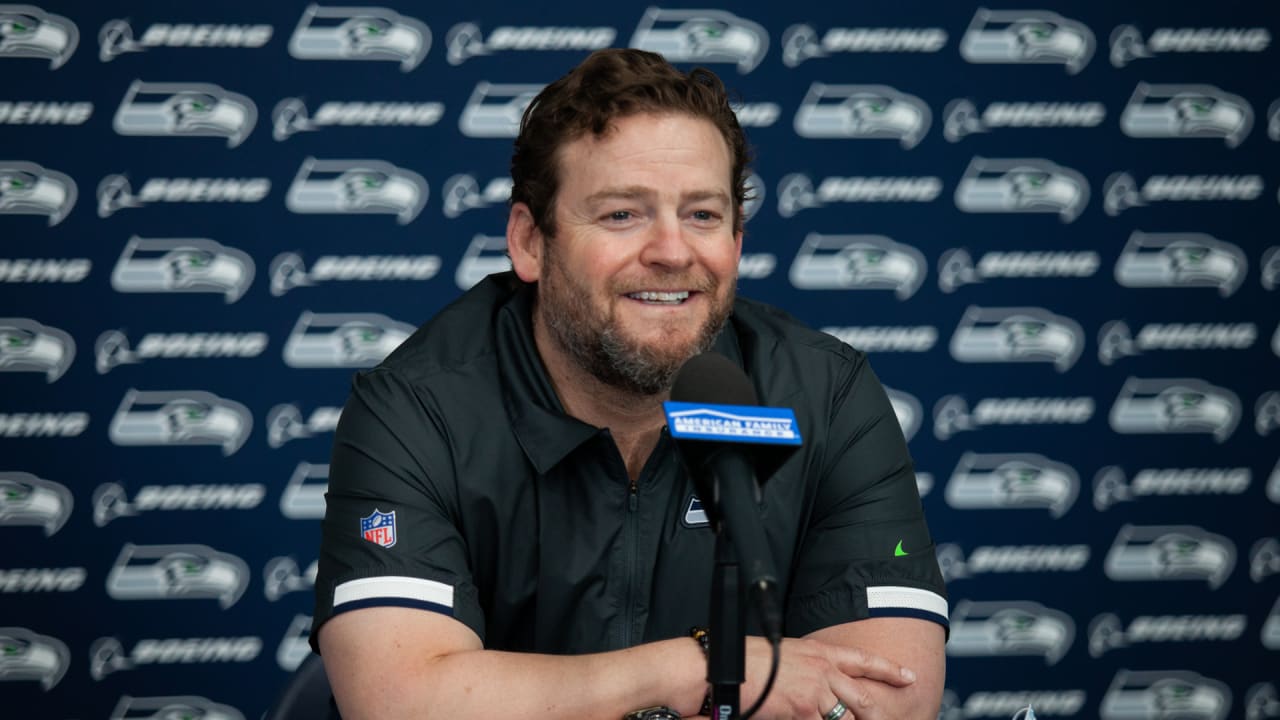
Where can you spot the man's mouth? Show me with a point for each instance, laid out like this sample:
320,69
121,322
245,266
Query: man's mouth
660,297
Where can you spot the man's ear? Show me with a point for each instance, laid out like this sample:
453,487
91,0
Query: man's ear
525,243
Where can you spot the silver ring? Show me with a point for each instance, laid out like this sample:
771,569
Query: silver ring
836,712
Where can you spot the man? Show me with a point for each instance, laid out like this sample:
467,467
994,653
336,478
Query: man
510,532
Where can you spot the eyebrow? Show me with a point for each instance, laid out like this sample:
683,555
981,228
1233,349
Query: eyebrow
638,191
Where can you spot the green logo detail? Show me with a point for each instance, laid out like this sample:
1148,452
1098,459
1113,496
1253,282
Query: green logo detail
899,552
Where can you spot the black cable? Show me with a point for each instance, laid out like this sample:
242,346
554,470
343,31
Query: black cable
768,684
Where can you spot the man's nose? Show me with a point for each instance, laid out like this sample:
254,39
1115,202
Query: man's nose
667,245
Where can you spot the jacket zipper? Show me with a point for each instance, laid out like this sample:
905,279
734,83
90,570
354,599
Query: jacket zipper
632,542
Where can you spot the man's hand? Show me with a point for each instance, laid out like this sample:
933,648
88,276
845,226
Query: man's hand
814,675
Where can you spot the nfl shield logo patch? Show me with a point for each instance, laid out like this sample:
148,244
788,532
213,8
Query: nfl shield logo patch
379,528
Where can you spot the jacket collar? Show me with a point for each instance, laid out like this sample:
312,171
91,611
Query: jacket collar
545,433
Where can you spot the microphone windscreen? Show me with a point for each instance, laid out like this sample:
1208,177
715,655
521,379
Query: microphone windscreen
713,379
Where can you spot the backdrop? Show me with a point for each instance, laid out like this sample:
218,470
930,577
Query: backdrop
1051,228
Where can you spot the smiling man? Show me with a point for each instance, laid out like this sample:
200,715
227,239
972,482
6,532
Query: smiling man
628,310
509,529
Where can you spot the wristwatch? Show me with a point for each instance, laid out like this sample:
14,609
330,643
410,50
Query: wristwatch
660,712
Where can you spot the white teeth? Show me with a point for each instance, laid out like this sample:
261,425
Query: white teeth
663,297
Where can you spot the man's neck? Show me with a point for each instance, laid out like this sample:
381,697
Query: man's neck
634,420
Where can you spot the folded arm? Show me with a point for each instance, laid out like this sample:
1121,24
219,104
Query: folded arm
389,662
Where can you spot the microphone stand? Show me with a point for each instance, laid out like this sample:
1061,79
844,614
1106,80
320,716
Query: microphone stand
727,649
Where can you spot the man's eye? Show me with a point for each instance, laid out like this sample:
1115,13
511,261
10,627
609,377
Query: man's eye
705,216
620,215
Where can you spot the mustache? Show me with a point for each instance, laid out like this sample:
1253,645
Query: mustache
666,284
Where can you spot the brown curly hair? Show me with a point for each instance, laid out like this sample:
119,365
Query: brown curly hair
608,85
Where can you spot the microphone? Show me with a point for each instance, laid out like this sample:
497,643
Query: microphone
728,442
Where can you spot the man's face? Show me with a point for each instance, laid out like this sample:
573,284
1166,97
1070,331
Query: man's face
640,276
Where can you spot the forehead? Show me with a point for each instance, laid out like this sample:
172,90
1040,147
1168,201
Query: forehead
667,150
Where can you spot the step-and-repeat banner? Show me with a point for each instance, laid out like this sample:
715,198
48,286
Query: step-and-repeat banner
1052,228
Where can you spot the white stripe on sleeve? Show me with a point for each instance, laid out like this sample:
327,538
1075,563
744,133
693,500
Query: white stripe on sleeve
891,596
393,586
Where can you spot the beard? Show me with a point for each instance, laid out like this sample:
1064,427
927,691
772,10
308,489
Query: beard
594,338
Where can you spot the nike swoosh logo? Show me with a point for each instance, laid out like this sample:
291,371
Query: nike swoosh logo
899,552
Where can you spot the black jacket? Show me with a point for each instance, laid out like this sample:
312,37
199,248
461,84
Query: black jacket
520,521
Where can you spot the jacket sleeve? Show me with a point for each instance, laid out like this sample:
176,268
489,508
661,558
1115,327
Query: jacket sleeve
390,532
867,551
